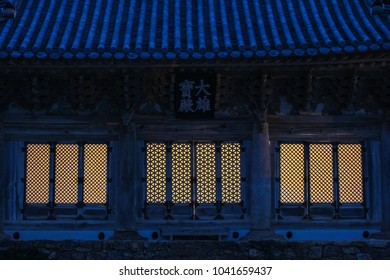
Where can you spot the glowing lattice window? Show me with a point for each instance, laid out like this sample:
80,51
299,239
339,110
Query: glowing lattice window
95,173
193,168
156,177
181,173
350,173
37,173
66,173
205,173
321,173
231,172
59,175
292,173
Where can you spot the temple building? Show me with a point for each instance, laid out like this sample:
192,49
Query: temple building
168,119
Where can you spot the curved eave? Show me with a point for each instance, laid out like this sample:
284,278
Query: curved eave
192,30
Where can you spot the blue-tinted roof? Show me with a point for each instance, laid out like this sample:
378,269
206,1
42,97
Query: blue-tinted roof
200,29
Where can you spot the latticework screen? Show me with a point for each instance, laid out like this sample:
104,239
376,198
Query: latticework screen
321,173
156,177
37,173
206,173
231,172
95,173
66,173
181,173
292,173
350,173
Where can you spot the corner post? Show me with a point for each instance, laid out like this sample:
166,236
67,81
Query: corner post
2,183
260,183
385,163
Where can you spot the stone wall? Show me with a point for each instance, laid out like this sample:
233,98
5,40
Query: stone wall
194,249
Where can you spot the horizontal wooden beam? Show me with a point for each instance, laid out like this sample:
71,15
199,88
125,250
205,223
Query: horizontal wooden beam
169,128
324,128
60,128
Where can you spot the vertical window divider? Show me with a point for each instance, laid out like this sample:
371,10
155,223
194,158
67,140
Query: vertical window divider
307,179
336,180
194,203
80,204
218,175
108,182
278,203
364,177
243,179
24,180
169,203
51,204
144,179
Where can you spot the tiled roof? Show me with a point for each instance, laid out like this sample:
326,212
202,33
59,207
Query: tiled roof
182,29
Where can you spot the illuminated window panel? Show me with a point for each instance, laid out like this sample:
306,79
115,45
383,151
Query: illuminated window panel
231,172
350,173
181,173
292,173
95,173
37,173
156,173
321,173
205,173
66,173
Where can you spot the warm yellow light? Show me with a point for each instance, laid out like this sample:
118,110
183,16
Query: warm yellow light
37,173
66,173
292,173
181,173
321,173
156,172
350,173
95,173
205,173
231,172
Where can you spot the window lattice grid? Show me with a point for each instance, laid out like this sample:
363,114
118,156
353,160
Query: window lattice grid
66,173
181,173
95,173
231,172
321,173
206,173
37,173
292,173
156,177
350,173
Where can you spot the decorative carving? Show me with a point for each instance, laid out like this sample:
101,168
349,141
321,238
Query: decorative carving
235,95
35,101
155,97
61,107
85,92
259,99
313,106
82,110
127,115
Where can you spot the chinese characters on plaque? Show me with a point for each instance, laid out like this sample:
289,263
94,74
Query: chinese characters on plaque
195,95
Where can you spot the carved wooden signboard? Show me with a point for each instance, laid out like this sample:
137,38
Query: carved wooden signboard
195,95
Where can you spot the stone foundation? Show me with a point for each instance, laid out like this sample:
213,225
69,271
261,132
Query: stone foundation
194,249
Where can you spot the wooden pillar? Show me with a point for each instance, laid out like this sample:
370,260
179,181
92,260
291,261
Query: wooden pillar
125,194
2,183
260,183
385,163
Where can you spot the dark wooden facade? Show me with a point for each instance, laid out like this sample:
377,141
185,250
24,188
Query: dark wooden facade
260,101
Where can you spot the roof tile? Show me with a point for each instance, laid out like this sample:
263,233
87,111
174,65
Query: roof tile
198,29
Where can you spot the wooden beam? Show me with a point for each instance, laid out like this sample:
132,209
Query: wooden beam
324,128
169,128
